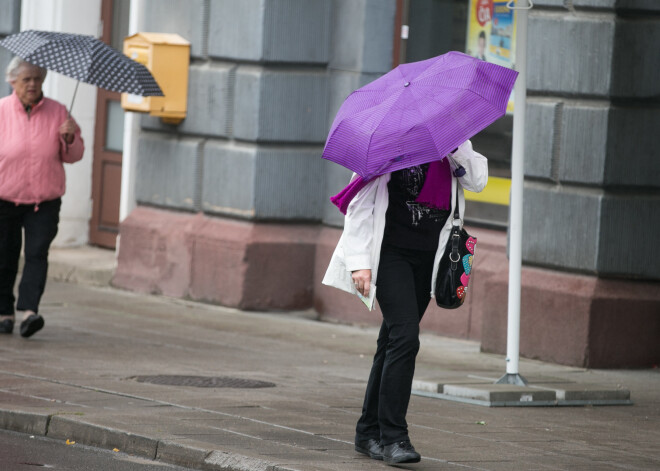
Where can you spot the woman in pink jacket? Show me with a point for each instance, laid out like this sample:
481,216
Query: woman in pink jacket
36,137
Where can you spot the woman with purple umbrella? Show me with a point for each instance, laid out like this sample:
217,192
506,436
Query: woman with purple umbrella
395,230
37,136
397,134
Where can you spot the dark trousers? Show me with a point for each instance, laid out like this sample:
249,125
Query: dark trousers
403,293
40,225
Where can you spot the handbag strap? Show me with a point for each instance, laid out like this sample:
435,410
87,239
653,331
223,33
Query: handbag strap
457,215
454,255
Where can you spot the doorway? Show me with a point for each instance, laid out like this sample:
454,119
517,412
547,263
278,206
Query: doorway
108,137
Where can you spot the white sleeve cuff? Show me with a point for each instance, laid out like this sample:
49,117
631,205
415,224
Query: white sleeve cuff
358,262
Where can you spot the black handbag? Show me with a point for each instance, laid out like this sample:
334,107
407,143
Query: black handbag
455,265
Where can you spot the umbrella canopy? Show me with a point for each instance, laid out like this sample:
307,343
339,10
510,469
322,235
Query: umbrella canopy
417,113
84,58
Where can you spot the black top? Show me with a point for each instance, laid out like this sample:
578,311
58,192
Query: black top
410,224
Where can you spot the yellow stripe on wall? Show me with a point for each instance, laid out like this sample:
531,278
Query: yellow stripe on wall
496,192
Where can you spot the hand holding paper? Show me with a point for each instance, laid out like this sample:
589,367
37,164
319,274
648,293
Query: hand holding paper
368,300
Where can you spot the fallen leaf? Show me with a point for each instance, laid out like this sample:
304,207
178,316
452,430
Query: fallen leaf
70,442
115,449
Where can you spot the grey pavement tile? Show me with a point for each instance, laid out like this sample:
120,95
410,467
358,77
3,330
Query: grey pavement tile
336,464
14,399
495,453
291,455
518,465
284,435
509,437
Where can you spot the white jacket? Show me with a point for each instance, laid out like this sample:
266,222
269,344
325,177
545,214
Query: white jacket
364,224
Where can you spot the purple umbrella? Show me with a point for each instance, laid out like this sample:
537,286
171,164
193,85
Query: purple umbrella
417,113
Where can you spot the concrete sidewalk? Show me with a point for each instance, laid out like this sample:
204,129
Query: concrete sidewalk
85,265
95,376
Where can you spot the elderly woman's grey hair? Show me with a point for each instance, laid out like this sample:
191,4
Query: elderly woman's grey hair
15,65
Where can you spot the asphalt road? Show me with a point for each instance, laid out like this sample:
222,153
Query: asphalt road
21,452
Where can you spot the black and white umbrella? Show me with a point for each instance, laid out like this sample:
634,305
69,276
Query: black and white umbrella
85,59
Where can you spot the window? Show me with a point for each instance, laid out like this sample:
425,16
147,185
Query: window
427,28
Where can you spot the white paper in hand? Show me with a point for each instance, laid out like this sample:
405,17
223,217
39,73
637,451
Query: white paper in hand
368,300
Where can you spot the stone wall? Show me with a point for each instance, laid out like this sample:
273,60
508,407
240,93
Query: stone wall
257,107
266,79
592,163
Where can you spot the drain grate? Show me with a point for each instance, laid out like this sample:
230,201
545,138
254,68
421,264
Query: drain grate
203,381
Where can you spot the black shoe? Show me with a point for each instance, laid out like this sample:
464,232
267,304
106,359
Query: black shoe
31,325
370,447
400,452
6,326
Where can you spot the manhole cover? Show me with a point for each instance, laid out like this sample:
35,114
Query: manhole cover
203,381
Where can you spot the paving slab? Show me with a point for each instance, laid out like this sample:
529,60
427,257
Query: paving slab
540,391
85,265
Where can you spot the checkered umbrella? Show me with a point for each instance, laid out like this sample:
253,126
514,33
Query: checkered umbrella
84,58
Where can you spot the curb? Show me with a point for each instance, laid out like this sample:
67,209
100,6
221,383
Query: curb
164,451
101,437
180,455
25,422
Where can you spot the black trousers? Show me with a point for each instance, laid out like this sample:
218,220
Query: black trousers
403,294
40,225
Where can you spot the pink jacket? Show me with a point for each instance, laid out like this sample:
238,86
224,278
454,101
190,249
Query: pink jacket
32,151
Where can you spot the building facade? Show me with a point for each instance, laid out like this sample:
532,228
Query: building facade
231,206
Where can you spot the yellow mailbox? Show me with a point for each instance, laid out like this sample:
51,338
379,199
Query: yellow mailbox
167,56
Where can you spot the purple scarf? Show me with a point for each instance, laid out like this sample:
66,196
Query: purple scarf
436,191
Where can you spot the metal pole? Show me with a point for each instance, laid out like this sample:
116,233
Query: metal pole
512,375
131,130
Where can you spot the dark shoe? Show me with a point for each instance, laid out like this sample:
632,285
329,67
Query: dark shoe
400,452
370,447
31,325
6,326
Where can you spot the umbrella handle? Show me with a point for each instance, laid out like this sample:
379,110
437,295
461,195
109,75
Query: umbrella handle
74,97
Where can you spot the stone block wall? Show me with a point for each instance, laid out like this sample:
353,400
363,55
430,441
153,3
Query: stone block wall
361,51
168,169
266,79
594,110
257,110
189,19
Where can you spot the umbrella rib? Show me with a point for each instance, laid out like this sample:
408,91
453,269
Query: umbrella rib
429,72
378,124
434,99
